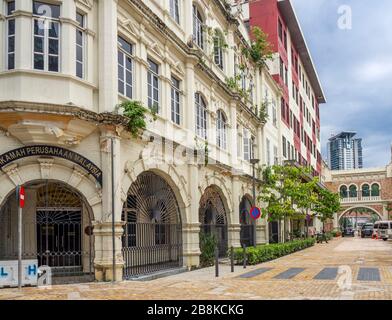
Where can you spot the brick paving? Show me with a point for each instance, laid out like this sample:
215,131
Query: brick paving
352,257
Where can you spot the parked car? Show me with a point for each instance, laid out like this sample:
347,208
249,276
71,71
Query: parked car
348,231
367,230
383,229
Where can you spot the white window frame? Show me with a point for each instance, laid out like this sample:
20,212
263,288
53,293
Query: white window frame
125,55
46,38
82,29
176,101
247,145
9,36
175,10
198,33
221,128
152,78
201,116
268,152
218,51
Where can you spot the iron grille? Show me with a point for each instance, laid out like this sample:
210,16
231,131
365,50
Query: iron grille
152,239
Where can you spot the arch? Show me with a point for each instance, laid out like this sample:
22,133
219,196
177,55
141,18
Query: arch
47,169
222,186
343,191
365,188
353,191
57,227
152,239
247,225
359,207
375,190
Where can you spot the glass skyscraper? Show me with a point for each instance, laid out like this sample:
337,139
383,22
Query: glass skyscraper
345,152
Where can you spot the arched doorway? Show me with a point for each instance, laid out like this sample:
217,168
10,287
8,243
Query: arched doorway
152,239
213,218
57,230
247,224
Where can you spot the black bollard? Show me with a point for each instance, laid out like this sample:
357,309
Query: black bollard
216,262
232,258
245,257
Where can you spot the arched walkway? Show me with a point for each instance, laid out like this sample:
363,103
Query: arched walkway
213,217
247,224
152,239
357,216
57,229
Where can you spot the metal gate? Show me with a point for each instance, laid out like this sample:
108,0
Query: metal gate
212,216
56,231
61,242
247,226
152,239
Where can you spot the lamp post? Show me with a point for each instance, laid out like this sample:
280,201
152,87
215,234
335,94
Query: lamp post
254,162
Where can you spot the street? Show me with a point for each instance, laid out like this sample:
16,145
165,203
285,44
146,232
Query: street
346,268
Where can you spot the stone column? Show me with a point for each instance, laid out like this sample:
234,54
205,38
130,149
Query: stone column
107,52
233,134
234,232
191,229
103,227
189,110
24,35
68,38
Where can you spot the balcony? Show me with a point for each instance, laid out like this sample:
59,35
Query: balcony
360,199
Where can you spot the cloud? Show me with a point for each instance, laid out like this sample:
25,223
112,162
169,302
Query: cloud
355,69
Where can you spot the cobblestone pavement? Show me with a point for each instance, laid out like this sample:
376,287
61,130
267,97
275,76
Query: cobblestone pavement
347,260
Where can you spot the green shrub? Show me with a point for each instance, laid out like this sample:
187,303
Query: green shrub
208,244
263,253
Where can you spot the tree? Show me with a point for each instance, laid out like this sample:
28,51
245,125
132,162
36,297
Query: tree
279,188
327,205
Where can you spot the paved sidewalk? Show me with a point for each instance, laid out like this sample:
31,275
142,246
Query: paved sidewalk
348,268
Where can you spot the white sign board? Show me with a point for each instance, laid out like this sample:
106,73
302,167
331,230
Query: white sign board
9,273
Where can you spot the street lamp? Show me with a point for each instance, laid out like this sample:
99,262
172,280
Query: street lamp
254,162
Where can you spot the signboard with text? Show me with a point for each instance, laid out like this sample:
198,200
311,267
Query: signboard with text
9,273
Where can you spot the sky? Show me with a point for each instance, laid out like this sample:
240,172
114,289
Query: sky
355,69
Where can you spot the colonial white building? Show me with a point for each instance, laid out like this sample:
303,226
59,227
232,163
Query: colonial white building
64,67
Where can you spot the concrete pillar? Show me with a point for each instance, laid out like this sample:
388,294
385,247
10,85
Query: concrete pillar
234,229
68,39
191,228
108,87
103,227
24,36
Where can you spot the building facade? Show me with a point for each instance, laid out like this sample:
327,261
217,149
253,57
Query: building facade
345,152
65,67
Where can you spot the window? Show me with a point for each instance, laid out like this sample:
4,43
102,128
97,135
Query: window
80,44
201,116
221,125
274,113
218,50
174,10
281,69
375,190
268,155
286,78
365,190
353,191
280,30
153,86
125,68
247,145
46,36
175,101
284,147
276,158
285,40
198,36
10,36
